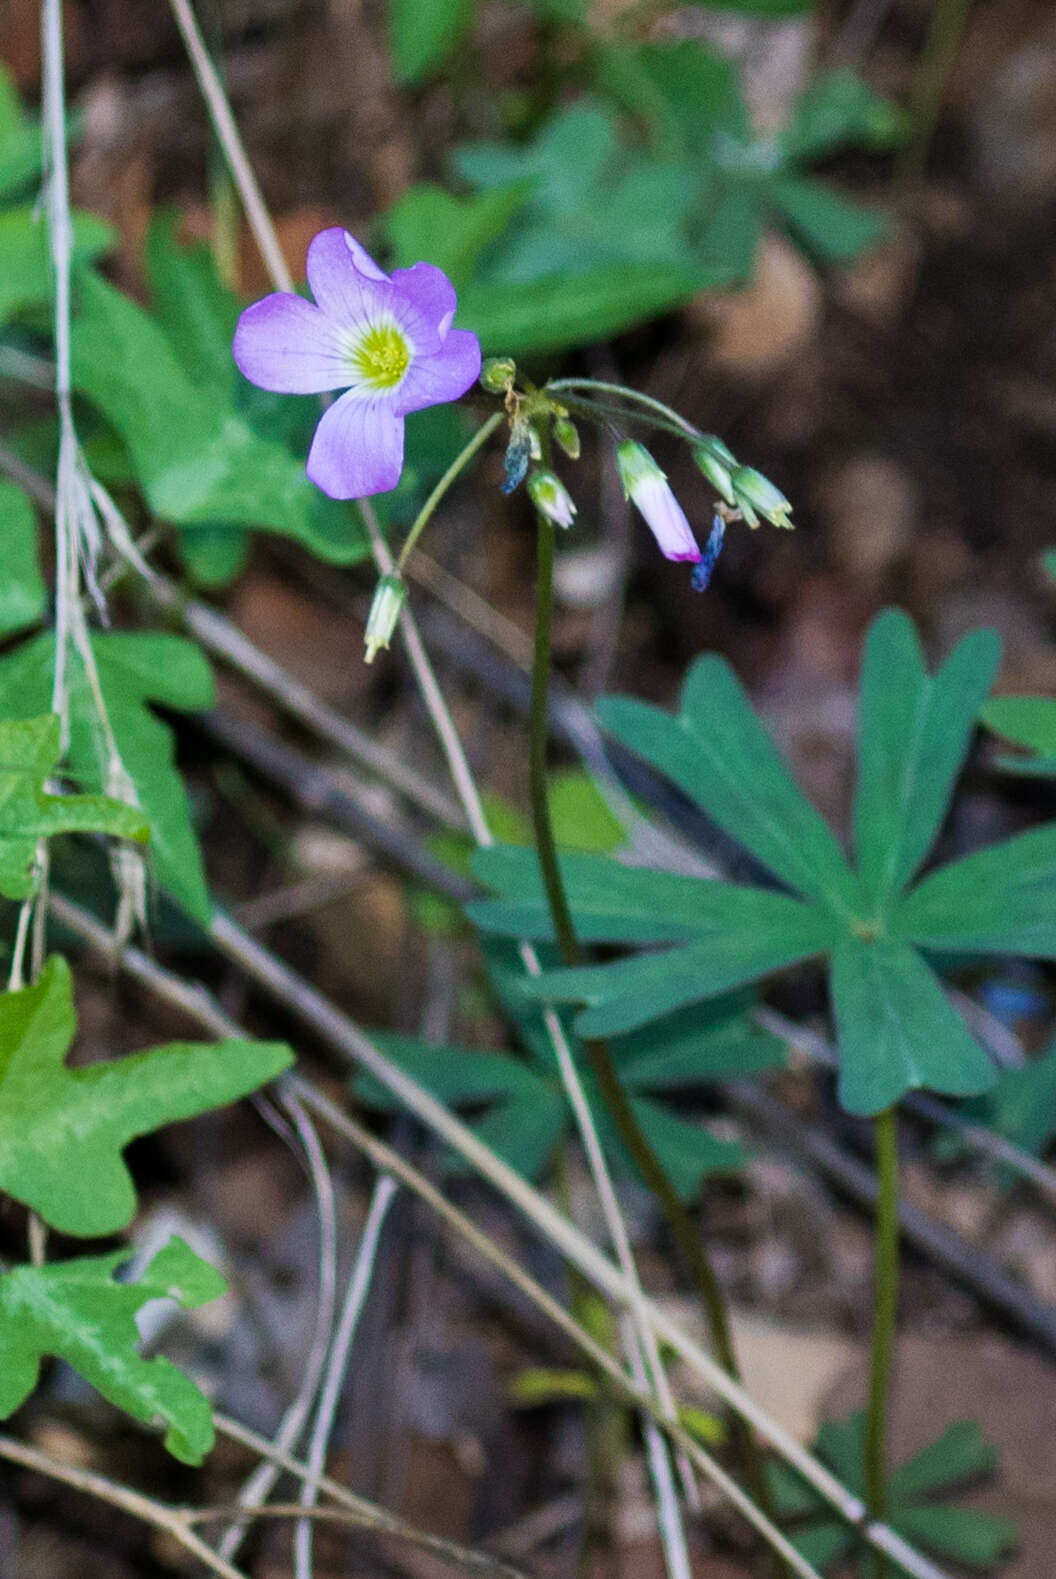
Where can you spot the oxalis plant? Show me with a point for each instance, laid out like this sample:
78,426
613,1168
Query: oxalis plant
82,751
387,341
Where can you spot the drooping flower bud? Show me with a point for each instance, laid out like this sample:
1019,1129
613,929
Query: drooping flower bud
497,374
567,435
551,498
646,485
390,595
756,496
717,464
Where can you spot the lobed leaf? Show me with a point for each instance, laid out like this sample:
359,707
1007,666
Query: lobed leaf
1028,721
63,1131
896,1030
29,750
75,1311
424,32
26,279
914,732
718,752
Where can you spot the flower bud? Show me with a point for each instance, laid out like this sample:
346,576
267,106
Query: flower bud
756,496
551,498
645,484
717,464
390,595
497,374
567,435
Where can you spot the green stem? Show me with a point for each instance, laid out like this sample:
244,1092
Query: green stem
461,460
885,1293
560,385
687,1240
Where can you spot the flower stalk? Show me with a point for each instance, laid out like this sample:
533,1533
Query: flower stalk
885,1295
687,1240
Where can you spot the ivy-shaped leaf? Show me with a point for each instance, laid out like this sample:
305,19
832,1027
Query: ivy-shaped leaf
897,1031
63,1131
29,750
134,671
75,1311
916,1489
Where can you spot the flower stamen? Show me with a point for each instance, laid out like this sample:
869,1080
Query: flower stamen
382,356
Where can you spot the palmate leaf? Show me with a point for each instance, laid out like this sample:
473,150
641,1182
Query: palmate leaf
962,1535
75,1311
134,671
897,1031
519,1106
26,278
29,750
63,1131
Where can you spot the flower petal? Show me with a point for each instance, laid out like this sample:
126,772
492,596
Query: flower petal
345,280
445,375
357,449
286,344
429,296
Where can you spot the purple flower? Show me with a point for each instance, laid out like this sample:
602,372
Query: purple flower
385,339
646,485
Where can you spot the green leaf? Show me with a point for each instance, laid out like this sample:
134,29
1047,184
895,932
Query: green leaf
896,1030
560,311
839,110
452,232
632,992
134,670
1048,560
960,1453
23,596
1028,721
75,1311
833,228
718,752
29,750
423,34
999,900
709,1041
964,1534
687,1151
685,92
526,1112
762,8
1022,1106
63,1131
20,145
214,555
195,310
198,462
914,734
26,279
580,814
967,1535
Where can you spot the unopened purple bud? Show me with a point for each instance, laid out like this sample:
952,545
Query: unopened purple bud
551,498
646,485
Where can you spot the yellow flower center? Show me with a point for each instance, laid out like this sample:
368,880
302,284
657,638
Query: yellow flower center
382,356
